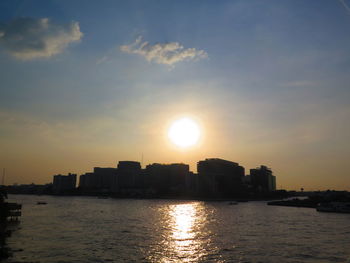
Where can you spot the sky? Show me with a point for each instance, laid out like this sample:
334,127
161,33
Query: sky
86,84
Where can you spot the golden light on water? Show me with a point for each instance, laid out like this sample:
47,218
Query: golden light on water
184,222
184,132
184,232
183,217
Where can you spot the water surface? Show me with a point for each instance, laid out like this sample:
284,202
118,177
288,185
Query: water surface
88,229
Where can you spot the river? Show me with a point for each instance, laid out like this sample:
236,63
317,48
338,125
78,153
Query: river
88,229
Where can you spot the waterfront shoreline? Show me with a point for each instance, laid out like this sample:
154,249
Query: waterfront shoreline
180,198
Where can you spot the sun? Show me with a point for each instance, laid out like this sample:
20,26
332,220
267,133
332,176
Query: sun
184,132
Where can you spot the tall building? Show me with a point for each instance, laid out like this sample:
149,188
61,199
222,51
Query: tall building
168,178
219,178
64,183
105,178
100,180
129,166
87,181
129,175
262,179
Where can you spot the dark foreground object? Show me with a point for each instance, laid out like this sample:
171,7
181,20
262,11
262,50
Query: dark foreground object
296,203
337,202
334,207
9,213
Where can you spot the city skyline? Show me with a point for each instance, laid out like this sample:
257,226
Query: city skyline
86,84
216,178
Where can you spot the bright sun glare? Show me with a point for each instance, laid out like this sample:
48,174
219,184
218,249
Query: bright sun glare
184,132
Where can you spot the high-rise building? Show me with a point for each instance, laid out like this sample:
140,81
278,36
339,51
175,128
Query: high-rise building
262,179
219,178
168,178
87,181
105,177
129,175
100,180
64,183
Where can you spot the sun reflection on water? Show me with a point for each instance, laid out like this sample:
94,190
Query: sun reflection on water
184,239
182,233
183,217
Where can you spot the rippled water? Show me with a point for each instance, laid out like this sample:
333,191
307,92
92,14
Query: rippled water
87,229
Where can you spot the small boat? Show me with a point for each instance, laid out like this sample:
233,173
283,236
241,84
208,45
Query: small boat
336,207
41,203
233,203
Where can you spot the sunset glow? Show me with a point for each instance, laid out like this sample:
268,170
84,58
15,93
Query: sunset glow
176,82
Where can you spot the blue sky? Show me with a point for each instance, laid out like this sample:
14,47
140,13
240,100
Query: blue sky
267,80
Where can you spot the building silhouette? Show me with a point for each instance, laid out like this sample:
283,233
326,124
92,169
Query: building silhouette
262,179
129,177
219,178
87,181
216,178
168,178
100,180
64,183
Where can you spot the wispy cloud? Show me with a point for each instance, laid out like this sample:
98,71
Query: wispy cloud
101,60
300,84
163,53
345,5
30,38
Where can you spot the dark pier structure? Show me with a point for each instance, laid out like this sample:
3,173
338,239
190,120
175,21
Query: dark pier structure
9,212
